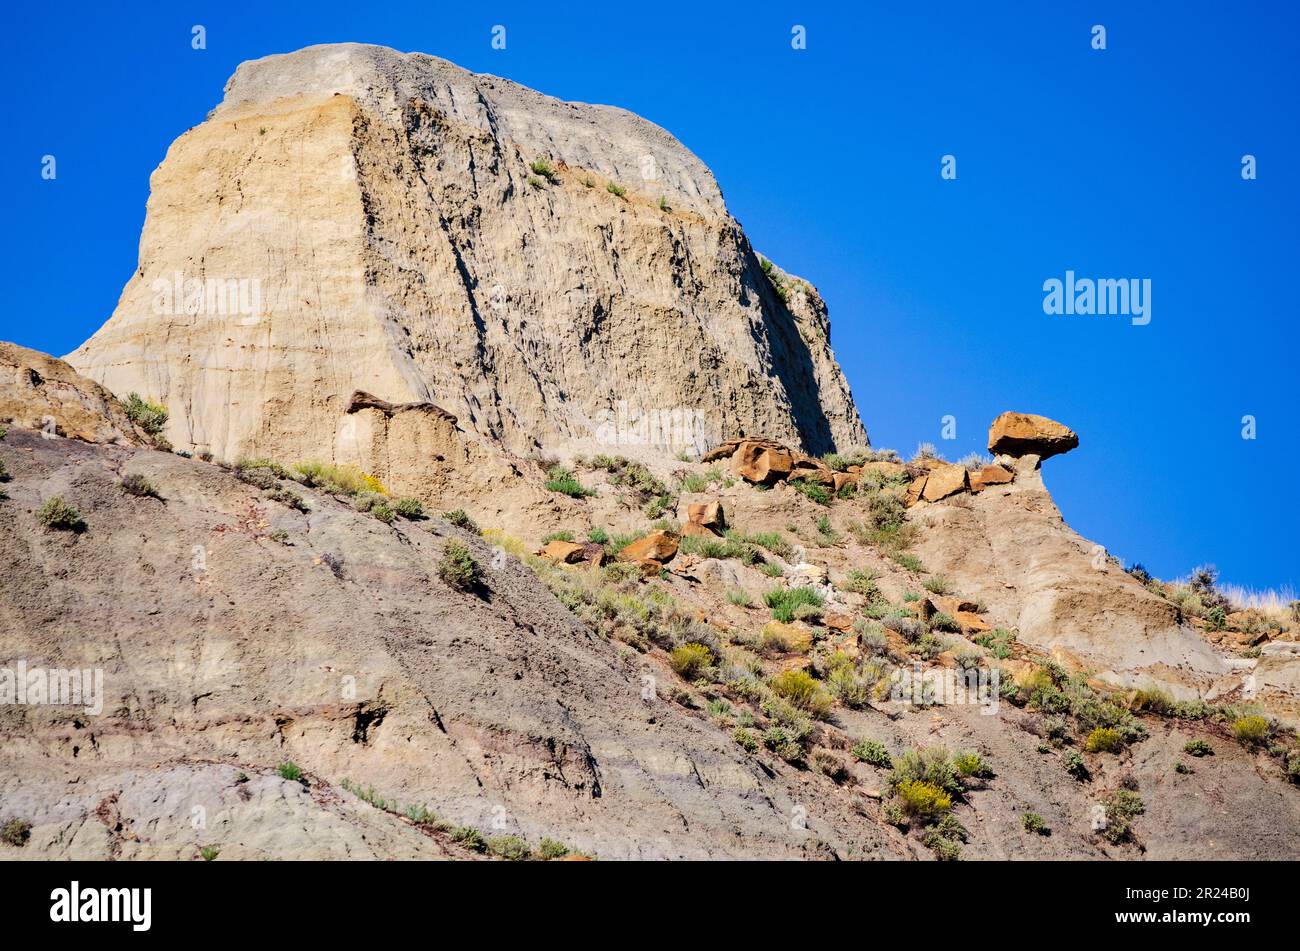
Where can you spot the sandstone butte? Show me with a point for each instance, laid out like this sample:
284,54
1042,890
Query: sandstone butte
383,213
440,289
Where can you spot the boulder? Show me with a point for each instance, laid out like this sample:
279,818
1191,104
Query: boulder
762,462
914,490
812,470
39,392
1020,434
944,480
990,475
562,552
692,529
707,514
809,574
971,623
842,479
657,546
838,622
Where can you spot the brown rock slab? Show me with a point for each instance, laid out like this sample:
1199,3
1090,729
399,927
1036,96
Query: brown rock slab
762,462
990,475
838,622
1020,434
943,481
914,490
562,552
658,546
708,514
691,529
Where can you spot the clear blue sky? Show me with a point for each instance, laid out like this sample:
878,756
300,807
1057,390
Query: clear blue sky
1117,163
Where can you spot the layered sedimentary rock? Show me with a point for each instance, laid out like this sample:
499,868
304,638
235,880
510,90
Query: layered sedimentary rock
549,273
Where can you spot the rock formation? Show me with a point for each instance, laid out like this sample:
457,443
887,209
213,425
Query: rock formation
549,273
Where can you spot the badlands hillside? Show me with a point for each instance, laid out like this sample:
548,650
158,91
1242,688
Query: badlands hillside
453,480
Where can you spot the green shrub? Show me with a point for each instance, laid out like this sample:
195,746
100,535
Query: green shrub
151,417
862,582
774,542
409,508
563,535
1292,763
813,490
512,848
921,800
690,659
778,740
1103,740
997,641
458,567
942,621
873,753
471,839
560,479
746,739
138,485
287,496
290,771
4,473
1034,823
337,480
543,168
740,597
909,561
1121,808
384,512
972,764
784,601
210,852
598,536
615,189
552,849
1075,765
936,585
801,690
1250,730
16,832
1198,748
56,513
536,182
663,204
933,765
458,518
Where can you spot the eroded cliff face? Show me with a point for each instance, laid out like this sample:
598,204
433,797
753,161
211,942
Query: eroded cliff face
355,218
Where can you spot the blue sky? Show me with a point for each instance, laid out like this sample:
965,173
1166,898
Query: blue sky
1121,163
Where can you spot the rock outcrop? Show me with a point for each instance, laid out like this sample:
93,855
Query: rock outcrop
40,392
549,273
1023,434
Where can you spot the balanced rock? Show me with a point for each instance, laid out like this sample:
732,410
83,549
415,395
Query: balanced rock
1023,434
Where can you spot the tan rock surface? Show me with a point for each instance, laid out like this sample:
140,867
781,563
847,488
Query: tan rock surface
40,392
380,205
